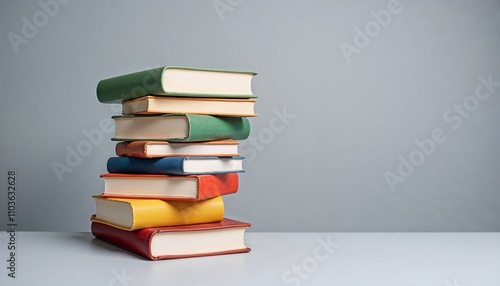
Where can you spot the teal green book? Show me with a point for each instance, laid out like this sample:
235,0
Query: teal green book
180,128
176,81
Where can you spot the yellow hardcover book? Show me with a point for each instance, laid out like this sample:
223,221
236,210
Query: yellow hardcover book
133,214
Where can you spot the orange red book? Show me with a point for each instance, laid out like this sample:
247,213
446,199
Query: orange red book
168,187
165,214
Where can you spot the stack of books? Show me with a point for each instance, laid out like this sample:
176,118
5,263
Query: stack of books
176,155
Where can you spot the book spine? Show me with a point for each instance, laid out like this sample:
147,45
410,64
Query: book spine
206,127
134,241
131,149
130,86
217,185
131,165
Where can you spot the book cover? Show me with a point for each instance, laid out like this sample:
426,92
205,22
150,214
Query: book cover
157,149
225,237
175,165
133,214
176,81
169,187
180,127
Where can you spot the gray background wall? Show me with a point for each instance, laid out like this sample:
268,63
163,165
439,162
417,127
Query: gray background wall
331,125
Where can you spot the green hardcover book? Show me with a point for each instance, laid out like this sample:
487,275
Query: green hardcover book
180,127
176,81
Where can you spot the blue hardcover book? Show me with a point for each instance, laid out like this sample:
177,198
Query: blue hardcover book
175,165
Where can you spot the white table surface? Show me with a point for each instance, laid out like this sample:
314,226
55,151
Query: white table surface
367,259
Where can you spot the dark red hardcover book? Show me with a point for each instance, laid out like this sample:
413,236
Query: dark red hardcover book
225,237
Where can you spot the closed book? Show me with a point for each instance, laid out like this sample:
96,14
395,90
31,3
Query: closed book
192,105
176,81
169,187
175,165
225,237
180,127
157,149
132,214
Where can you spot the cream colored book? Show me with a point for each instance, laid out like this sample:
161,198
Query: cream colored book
156,149
194,105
